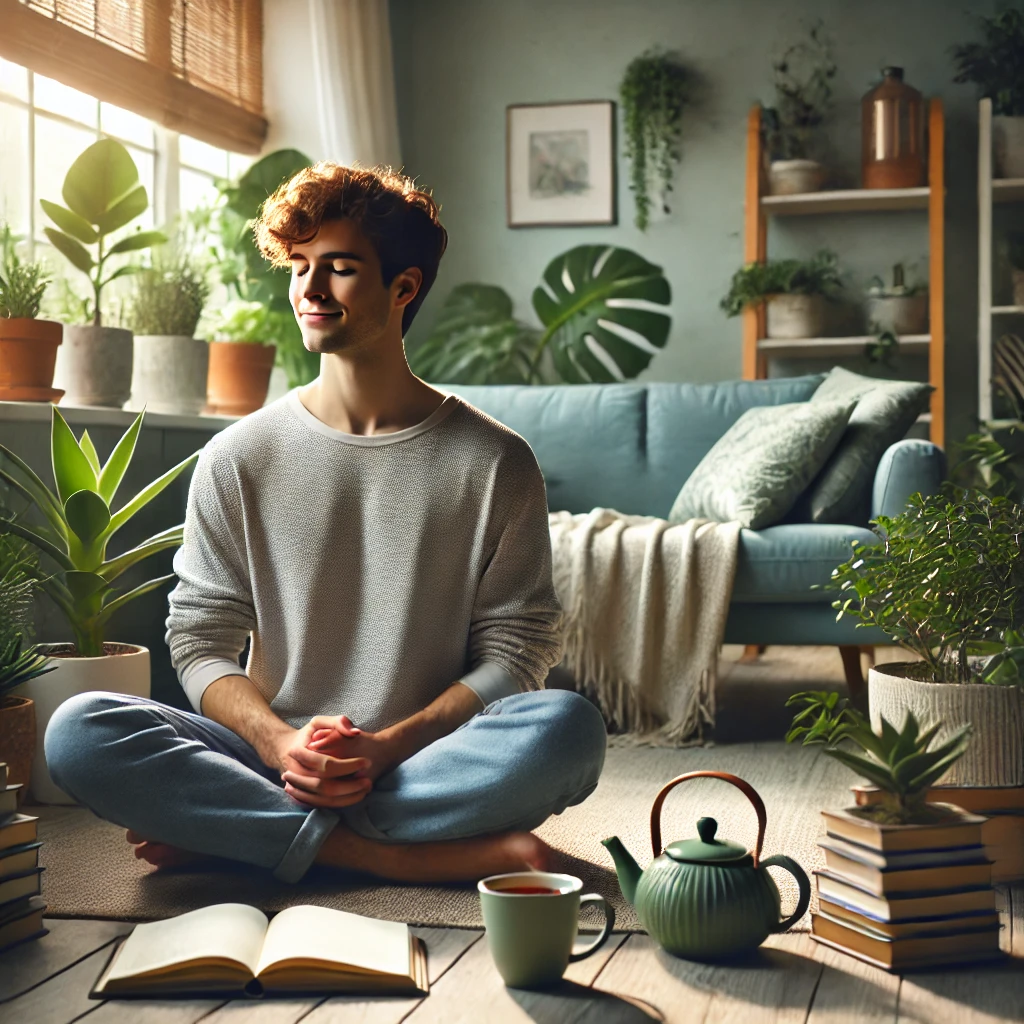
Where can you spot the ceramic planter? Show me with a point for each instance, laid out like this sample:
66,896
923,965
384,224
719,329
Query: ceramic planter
239,377
124,668
28,352
795,316
995,756
18,739
1008,146
169,373
94,366
901,314
791,177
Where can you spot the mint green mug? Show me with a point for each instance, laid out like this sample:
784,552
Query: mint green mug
532,919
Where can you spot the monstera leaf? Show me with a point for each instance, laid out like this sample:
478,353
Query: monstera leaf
477,340
598,306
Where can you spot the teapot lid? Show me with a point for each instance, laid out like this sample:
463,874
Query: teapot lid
707,849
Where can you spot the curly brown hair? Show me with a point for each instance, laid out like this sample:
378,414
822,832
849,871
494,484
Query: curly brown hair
400,220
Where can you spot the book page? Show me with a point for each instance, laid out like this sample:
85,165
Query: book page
232,931
318,933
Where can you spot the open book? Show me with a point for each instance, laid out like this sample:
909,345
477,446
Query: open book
232,949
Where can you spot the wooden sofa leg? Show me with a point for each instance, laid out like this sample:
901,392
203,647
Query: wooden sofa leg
751,652
850,653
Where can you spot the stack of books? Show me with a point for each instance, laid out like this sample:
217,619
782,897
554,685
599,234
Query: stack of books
1002,835
900,897
21,906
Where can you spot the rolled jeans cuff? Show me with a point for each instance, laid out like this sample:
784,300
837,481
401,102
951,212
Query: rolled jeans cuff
306,844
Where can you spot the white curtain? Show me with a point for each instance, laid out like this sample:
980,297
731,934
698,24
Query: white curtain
353,75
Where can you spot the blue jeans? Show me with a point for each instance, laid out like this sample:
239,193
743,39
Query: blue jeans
183,779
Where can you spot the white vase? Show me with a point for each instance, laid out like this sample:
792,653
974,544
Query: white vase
126,671
94,366
1008,146
901,314
995,756
792,177
169,373
795,316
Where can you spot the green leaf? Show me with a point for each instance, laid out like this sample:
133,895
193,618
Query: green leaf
139,240
61,597
59,531
113,568
117,465
124,271
71,469
263,178
69,222
43,543
871,770
87,590
85,443
148,494
99,179
75,252
42,494
87,514
120,602
124,211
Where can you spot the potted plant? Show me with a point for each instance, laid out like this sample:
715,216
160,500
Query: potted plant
803,97
899,308
240,359
79,524
28,345
994,65
794,291
654,92
946,582
103,195
170,365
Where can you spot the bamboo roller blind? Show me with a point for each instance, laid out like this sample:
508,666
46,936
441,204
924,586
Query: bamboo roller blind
193,65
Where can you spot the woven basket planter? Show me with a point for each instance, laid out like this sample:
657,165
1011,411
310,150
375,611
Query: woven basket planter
995,756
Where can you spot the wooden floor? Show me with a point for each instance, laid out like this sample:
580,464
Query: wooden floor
792,979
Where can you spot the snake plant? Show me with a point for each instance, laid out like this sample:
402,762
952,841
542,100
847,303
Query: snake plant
899,762
80,523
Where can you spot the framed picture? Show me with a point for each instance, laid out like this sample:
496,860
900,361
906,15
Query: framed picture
560,163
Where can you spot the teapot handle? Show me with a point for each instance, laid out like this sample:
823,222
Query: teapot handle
748,791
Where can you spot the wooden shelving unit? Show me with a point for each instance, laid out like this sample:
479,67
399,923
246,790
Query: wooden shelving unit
759,207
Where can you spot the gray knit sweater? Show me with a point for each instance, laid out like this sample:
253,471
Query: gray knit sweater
371,572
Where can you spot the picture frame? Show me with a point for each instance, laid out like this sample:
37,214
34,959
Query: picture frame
560,164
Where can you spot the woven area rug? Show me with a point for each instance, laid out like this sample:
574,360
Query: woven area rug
91,871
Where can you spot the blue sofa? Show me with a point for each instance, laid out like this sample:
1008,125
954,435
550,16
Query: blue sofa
631,447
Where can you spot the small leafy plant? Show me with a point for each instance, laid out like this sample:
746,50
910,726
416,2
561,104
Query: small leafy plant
244,322
19,578
168,297
756,282
945,581
988,466
654,93
80,524
901,763
22,282
994,64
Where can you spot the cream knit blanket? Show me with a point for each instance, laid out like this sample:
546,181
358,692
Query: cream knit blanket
645,603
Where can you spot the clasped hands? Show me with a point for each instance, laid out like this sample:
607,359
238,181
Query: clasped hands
331,763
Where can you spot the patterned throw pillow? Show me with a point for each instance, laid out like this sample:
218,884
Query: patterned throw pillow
761,465
885,411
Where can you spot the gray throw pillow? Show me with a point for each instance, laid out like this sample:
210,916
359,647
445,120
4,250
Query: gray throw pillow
885,411
763,462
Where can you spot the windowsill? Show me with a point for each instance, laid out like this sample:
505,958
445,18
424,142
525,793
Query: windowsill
87,416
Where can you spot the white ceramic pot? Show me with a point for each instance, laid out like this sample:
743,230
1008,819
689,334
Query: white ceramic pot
791,177
1008,146
94,366
995,756
169,373
125,669
795,316
901,314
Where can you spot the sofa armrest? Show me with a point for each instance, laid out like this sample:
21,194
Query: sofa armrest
908,466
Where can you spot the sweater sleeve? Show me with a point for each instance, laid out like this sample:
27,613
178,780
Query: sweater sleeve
211,608
516,629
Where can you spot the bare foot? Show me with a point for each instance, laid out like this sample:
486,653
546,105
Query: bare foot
162,855
458,860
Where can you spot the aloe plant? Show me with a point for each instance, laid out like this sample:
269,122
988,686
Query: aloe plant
80,522
901,763
103,194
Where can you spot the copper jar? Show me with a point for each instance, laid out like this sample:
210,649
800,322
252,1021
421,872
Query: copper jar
892,133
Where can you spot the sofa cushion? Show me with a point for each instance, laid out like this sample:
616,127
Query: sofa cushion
781,563
758,469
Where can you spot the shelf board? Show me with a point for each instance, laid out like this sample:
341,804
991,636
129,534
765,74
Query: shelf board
849,200
1007,190
1008,310
834,346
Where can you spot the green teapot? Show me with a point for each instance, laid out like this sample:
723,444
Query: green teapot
707,898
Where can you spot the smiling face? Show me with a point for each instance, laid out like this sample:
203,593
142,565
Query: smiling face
338,293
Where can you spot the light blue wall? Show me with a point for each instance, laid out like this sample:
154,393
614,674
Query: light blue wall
460,62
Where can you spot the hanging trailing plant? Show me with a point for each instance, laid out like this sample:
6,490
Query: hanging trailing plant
654,92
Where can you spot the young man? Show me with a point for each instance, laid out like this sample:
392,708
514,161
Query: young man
386,548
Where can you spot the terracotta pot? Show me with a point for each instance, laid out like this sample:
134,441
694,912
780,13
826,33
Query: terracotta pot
94,366
793,177
28,352
18,740
795,316
169,373
239,377
995,756
124,668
